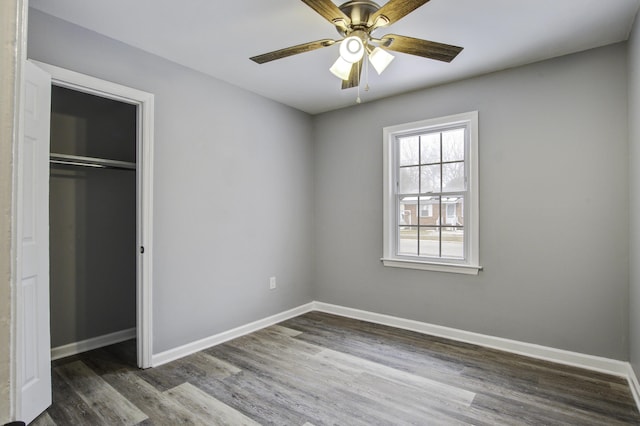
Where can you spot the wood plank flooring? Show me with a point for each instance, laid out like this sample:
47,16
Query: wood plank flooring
320,369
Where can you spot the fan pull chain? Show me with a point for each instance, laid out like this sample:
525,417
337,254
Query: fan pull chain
366,77
366,70
358,100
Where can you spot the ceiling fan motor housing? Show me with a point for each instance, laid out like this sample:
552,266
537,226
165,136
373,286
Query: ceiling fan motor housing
359,12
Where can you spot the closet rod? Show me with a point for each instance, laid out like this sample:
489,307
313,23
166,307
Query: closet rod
77,160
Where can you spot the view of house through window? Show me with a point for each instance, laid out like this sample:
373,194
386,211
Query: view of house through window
431,191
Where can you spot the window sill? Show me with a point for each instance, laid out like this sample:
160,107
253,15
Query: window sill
432,266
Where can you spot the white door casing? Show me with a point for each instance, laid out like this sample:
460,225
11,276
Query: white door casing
32,216
144,178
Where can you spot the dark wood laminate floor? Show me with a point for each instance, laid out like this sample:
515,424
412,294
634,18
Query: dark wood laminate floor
319,369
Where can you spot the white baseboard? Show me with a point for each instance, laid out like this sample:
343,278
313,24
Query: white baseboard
590,362
93,343
207,342
634,385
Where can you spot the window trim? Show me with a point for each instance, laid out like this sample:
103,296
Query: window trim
471,265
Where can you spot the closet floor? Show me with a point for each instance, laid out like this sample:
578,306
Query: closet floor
320,369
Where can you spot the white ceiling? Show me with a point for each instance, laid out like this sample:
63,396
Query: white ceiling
217,38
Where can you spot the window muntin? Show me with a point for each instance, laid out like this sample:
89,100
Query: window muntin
431,193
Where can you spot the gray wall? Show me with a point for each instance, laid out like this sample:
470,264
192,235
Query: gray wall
233,190
634,191
92,219
553,207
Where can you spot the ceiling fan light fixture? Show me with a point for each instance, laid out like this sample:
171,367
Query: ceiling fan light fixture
352,49
380,59
341,68
356,21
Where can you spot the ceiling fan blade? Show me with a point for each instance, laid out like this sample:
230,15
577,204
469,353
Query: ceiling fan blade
415,46
329,11
293,50
354,76
394,10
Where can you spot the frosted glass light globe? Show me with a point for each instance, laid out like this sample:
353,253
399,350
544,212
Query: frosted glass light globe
352,49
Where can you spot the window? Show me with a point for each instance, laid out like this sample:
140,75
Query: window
431,194
426,210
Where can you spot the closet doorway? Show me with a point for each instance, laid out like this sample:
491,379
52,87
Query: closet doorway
100,214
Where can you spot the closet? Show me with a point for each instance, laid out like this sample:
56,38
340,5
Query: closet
92,218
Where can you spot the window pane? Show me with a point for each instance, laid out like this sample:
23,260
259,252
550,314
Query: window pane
408,240
408,211
409,180
453,177
429,210
430,178
409,150
430,242
453,211
453,242
430,148
453,145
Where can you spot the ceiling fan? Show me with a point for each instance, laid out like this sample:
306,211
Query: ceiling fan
356,21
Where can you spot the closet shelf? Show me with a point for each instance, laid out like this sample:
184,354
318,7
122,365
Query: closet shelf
102,163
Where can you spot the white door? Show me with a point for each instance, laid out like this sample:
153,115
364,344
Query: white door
33,341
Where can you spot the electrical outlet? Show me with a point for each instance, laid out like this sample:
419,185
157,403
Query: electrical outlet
272,283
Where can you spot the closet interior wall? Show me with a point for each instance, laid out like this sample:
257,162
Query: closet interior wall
92,218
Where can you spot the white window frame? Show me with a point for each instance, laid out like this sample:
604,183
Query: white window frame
471,263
